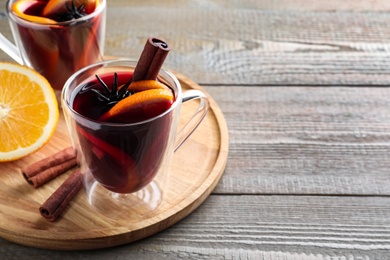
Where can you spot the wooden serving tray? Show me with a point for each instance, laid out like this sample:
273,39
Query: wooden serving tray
196,169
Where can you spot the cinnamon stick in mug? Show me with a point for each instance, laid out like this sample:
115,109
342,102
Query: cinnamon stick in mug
151,59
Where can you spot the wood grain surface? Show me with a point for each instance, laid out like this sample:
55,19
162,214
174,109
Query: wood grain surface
196,169
303,86
251,46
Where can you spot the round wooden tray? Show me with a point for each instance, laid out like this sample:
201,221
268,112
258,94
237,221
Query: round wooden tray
196,169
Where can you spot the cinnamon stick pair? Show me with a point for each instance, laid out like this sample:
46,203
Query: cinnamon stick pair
48,168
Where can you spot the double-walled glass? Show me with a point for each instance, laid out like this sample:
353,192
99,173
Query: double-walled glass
126,165
57,50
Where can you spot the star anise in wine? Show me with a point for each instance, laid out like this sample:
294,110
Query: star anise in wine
73,12
111,96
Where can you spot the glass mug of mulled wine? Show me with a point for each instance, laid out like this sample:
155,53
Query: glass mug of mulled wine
56,38
126,163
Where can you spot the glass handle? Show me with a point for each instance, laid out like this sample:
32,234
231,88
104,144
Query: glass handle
196,118
9,48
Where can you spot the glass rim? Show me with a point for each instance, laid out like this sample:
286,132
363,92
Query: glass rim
15,17
66,104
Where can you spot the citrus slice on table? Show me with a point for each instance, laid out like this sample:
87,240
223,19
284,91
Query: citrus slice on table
28,111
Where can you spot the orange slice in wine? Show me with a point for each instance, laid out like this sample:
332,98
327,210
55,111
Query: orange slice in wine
140,106
54,7
99,148
20,7
138,86
141,85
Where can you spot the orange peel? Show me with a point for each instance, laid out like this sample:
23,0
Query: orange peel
54,7
140,106
19,8
142,85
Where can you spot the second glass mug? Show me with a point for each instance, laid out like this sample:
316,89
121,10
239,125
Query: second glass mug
56,49
126,165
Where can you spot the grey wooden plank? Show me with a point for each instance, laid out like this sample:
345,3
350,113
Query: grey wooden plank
257,227
306,140
254,46
302,5
262,47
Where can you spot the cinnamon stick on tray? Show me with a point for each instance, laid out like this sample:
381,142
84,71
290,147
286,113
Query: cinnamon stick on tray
50,167
57,202
151,59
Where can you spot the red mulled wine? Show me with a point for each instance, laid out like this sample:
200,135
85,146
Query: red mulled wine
123,157
56,50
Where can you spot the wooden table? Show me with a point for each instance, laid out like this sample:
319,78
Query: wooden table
304,90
